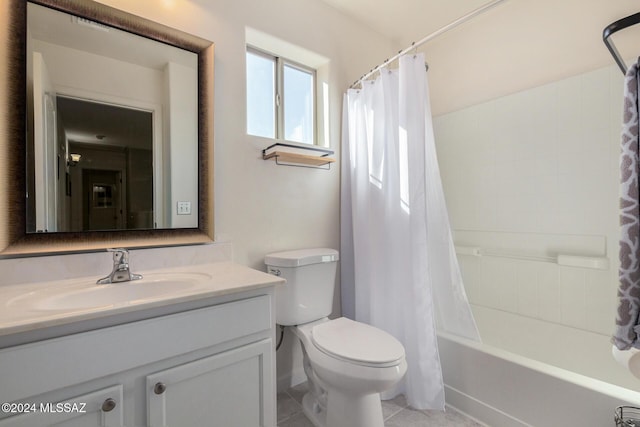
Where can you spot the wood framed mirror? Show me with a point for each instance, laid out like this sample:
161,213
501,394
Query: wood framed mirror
151,226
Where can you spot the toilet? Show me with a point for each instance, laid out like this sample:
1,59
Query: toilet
347,363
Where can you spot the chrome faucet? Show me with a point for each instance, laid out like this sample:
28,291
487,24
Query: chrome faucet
120,272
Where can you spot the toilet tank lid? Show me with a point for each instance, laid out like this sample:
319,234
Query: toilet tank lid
301,257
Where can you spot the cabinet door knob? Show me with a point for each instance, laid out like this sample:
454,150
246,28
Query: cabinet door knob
159,388
108,405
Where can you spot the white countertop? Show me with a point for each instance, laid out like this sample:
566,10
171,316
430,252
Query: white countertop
222,278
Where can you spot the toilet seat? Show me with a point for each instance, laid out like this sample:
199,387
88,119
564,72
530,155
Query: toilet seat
357,343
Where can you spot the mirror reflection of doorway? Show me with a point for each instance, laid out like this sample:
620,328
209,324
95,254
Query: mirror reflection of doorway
102,199
110,168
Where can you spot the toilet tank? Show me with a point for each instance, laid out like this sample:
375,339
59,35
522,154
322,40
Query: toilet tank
308,293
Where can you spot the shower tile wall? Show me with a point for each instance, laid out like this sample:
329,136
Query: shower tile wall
532,173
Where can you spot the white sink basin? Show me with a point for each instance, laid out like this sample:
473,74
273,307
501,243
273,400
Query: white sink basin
82,296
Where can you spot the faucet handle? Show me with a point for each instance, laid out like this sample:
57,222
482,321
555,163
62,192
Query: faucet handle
120,255
120,272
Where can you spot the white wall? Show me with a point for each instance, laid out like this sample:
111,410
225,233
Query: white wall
44,146
181,152
76,72
536,173
259,206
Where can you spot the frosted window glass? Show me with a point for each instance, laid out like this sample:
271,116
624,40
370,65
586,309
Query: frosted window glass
298,105
261,89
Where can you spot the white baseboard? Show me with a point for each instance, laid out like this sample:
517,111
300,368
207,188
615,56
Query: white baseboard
291,379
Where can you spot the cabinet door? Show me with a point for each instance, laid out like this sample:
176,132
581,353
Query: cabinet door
102,408
231,389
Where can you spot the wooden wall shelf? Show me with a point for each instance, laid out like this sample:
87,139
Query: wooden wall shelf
296,158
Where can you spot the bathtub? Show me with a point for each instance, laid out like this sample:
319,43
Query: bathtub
528,372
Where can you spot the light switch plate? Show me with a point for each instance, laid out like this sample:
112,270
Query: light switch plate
184,208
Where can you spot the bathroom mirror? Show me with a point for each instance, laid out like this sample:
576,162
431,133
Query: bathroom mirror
107,127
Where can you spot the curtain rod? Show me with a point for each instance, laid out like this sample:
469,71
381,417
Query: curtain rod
614,27
431,36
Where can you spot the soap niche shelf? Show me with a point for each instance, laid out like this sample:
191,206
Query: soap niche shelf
298,155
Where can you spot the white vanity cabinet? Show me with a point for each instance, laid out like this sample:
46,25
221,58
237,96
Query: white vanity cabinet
211,365
221,390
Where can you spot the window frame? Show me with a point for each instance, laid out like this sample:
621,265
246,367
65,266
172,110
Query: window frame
278,99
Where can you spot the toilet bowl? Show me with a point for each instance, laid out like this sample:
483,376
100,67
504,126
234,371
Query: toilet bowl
351,364
347,363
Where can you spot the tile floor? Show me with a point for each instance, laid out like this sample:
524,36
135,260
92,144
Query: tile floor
396,413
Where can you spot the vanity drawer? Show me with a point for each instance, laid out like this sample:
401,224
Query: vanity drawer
36,368
86,410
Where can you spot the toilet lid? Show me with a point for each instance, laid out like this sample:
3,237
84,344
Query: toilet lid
357,342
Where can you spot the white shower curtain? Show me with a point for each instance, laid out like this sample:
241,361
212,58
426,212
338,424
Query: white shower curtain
398,258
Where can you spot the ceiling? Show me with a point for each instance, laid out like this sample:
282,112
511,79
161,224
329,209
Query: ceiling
405,21
83,121
58,28
103,124
514,46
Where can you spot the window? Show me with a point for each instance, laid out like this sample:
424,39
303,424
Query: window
280,98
